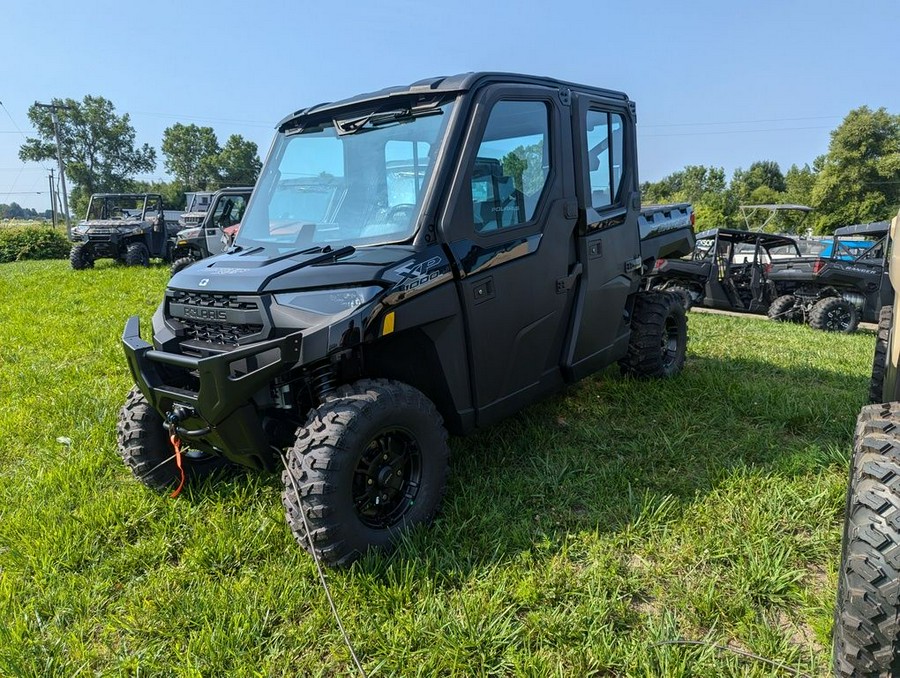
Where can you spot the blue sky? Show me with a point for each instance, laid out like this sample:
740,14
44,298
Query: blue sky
716,83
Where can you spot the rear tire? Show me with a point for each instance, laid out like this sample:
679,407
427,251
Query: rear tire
370,464
879,360
687,299
137,255
180,264
146,450
81,257
867,616
785,309
658,342
834,314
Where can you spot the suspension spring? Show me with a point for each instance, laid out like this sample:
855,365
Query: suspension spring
322,379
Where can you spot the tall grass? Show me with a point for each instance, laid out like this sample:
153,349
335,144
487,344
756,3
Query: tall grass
575,536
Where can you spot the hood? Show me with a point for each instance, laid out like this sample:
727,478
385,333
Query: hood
114,223
248,272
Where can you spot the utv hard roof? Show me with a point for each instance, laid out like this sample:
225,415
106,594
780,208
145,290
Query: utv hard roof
461,82
123,195
878,228
769,239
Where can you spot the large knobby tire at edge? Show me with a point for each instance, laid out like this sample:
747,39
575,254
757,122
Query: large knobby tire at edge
834,314
81,256
867,616
137,255
658,342
879,360
180,263
785,309
145,447
370,463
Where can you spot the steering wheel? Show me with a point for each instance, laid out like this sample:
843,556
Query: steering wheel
401,212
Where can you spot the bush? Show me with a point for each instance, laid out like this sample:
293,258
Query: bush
32,242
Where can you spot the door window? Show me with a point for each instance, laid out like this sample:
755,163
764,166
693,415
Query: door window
512,165
605,136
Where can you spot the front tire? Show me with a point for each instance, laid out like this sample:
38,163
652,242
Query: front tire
146,450
834,314
81,256
370,463
658,342
879,360
180,264
137,255
867,616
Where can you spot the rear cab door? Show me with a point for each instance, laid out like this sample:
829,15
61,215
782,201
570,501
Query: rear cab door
608,235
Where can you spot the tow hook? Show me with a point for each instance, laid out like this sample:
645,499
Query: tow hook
177,415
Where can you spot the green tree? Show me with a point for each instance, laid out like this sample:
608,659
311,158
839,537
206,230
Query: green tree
703,187
762,173
98,147
858,178
238,163
191,154
525,165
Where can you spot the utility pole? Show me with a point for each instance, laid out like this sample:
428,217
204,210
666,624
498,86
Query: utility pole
62,174
52,199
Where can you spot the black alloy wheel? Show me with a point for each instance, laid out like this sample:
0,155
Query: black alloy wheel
387,478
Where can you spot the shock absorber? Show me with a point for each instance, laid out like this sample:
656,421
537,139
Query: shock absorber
322,379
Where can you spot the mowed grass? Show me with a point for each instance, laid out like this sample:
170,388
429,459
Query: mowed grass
575,537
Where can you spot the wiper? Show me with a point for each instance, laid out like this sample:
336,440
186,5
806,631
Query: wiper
379,118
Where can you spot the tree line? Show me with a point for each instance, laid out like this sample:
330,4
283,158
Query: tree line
856,181
101,155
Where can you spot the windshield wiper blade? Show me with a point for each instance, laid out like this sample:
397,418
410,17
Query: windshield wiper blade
378,118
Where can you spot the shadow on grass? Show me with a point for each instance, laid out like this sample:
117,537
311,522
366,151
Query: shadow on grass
595,457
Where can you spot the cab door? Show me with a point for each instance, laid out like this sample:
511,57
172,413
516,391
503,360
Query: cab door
510,226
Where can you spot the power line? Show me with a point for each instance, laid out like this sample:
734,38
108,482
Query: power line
743,122
735,131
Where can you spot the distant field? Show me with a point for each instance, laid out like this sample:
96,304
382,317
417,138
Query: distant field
4,223
575,536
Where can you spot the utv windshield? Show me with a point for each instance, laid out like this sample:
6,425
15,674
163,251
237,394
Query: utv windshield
116,207
355,180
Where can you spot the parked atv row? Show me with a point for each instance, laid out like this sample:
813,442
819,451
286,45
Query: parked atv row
763,273
836,291
133,228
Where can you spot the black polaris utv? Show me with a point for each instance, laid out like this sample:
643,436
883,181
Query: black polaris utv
867,615
129,227
226,209
843,285
727,270
418,260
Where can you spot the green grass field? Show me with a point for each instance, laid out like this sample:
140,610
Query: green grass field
575,536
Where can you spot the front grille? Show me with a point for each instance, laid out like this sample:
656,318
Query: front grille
192,221
216,331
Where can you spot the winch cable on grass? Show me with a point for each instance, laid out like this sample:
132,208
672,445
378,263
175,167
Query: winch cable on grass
162,463
734,650
319,568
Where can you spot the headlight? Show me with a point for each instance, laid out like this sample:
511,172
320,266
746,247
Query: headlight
188,233
137,231
328,302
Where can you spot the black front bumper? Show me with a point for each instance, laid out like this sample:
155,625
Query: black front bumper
226,419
